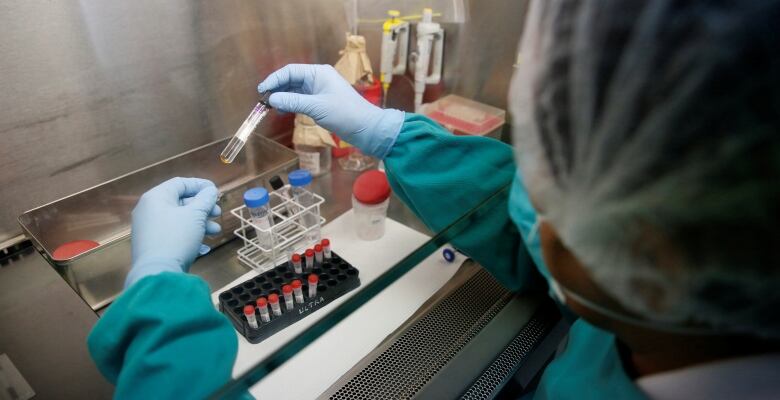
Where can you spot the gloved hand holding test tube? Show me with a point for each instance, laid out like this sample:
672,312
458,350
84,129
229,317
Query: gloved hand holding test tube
238,140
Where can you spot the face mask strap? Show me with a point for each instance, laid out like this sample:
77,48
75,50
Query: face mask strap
556,290
533,233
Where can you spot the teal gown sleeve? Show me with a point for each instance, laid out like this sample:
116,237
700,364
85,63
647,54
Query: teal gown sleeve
441,176
589,368
164,339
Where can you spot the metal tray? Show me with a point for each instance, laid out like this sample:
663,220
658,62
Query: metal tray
102,213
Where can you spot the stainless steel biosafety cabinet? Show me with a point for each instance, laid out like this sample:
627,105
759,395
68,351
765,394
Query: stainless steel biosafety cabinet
100,101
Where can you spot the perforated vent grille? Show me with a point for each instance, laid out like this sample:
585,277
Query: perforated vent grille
508,361
421,351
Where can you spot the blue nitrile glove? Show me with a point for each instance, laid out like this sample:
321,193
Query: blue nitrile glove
321,93
169,223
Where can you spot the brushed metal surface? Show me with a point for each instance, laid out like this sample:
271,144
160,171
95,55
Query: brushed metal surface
44,328
92,90
102,213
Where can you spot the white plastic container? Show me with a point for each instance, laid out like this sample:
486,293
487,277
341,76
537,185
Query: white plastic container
370,219
370,200
256,201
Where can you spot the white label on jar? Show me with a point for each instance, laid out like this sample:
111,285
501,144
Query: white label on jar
310,161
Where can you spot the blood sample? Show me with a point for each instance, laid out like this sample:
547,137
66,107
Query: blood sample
318,254
273,298
262,305
287,291
326,248
296,263
298,290
249,311
309,259
313,279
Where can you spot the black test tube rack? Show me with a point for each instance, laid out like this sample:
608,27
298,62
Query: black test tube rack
336,277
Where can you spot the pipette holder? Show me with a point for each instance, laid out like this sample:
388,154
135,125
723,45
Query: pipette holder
288,234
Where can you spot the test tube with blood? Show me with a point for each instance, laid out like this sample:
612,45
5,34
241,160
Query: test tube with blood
313,279
318,254
296,263
249,312
326,248
287,291
273,298
297,290
262,305
309,259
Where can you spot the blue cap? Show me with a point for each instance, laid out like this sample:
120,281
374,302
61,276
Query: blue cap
299,177
256,197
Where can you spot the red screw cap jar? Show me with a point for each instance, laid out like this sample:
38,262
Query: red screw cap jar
370,199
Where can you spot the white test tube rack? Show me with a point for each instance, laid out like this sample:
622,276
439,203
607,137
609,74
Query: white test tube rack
288,233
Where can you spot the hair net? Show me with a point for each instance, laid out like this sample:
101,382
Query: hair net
648,133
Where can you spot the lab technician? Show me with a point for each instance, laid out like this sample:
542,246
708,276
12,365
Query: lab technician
646,191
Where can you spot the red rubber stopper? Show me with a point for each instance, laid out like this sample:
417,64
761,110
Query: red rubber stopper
309,253
273,298
325,242
296,257
262,302
317,248
286,289
371,187
249,310
296,284
313,279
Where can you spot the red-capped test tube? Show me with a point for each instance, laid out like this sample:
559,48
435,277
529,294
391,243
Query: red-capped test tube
296,263
249,312
318,254
262,306
273,298
313,279
287,291
309,259
326,248
297,288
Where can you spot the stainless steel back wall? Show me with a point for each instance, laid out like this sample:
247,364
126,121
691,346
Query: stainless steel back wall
91,90
479,55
